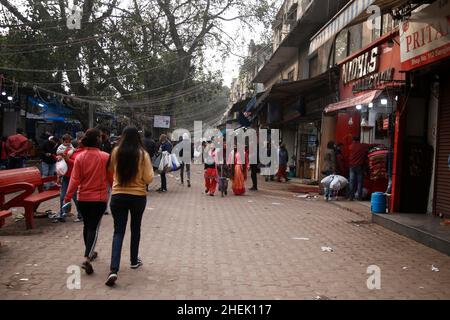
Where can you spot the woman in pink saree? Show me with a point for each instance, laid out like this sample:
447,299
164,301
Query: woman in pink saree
237,172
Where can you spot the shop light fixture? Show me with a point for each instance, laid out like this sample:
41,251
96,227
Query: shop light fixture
396,98
10,98
3,93
40,105
359,107
371,105
384,102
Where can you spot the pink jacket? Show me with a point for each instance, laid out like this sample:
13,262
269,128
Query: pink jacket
90,177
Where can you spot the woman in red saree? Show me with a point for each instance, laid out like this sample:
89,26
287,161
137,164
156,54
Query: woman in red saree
237,173
210,171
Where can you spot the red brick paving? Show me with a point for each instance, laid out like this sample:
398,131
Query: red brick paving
199,247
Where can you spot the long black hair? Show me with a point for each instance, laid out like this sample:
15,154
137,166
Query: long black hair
129,153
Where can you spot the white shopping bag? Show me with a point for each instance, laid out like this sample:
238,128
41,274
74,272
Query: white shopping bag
338,183
327,180
61,167
163,162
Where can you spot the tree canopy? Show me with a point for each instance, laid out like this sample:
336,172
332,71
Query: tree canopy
134,57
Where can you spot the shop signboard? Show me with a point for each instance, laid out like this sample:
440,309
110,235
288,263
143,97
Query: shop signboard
162,122
425,37
373,68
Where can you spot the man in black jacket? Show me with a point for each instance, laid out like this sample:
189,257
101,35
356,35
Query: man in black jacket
149,143
106,145
48,157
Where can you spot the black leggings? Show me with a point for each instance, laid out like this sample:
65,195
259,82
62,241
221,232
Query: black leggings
92,213
121,204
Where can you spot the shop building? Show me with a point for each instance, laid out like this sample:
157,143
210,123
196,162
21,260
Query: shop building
298,85
422,162
371,87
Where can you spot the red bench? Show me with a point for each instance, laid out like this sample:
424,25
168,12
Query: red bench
25,181
4,214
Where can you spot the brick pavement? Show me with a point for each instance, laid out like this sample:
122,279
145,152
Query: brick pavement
199,247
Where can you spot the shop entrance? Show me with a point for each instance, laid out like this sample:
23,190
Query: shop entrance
307,150
418,155
442,190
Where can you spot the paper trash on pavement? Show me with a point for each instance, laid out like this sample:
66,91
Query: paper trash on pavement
435,269
327,249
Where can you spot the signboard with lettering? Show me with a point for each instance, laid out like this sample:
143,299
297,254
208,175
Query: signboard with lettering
362,72
374,68
425,37
162,122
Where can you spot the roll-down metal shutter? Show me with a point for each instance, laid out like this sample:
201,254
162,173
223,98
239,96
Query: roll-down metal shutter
442,190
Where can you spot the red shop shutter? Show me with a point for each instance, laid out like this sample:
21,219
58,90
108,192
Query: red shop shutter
442,191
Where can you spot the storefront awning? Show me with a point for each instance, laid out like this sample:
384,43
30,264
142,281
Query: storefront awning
355,12
365,98
246,104
294,89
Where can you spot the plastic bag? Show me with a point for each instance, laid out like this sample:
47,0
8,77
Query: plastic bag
338,183
176,165
156,160
61,167
165,164
327,180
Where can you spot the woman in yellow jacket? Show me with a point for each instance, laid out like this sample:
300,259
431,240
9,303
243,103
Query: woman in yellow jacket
133,171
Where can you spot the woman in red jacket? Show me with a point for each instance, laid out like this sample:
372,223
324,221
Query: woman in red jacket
90,177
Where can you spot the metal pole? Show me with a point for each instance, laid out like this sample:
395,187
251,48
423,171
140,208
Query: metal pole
91,115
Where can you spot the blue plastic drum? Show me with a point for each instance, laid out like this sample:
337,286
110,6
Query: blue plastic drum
378,203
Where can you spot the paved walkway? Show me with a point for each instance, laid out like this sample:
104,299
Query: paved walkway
265,245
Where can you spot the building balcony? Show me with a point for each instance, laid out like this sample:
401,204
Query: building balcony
311,17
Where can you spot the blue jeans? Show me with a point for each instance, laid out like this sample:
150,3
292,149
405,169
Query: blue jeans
48,170
121,204
64,186
356,177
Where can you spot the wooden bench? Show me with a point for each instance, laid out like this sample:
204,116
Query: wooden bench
25,182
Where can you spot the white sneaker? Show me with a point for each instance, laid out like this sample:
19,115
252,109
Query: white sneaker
137,265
